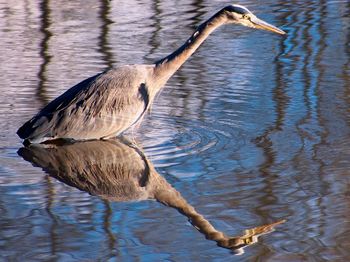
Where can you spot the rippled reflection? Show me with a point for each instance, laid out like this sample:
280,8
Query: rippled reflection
251,129
118,170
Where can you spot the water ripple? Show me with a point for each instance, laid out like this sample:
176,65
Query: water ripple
253,127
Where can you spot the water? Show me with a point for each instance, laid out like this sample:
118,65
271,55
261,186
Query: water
253,129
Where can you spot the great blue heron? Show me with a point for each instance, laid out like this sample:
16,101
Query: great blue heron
109,103
118,170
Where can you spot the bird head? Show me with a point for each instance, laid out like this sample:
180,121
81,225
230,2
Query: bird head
238,14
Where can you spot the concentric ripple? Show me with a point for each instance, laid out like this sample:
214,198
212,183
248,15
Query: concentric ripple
191,143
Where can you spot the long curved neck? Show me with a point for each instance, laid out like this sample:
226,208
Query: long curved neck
164,193
167,66
169,196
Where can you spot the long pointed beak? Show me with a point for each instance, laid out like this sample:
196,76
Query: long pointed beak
260,24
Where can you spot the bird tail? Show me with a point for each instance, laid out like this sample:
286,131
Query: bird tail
34,131
26,129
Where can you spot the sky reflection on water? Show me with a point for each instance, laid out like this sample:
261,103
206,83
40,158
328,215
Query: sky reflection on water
254,128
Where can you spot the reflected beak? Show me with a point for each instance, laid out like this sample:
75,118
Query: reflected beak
260,24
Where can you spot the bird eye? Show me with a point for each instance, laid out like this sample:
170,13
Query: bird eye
245,17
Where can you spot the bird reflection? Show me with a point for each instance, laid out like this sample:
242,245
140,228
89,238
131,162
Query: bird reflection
118,170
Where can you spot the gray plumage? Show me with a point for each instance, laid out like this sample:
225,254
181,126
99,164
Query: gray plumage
118,170
109,103
99,107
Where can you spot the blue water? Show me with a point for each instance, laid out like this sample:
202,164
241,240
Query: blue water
253,129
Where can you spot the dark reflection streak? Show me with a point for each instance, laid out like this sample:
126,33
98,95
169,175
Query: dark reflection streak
281,100
311,68
154,41
346,67
279,97
44,51
321,71
199,12
323,15
324,97
313,17
54,224
308,47
311,63
182,76
108,215
199,8
104,47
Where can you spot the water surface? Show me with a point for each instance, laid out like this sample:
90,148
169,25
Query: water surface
253,129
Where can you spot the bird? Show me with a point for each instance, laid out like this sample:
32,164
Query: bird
118,170
109,103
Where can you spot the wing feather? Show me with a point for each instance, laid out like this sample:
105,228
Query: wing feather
100,106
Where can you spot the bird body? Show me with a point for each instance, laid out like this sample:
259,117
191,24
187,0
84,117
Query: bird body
118,170
102,106
111,102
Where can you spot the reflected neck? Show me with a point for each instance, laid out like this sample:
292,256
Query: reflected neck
167,66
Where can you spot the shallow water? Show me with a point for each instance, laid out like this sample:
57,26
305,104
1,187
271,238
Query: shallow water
253,129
